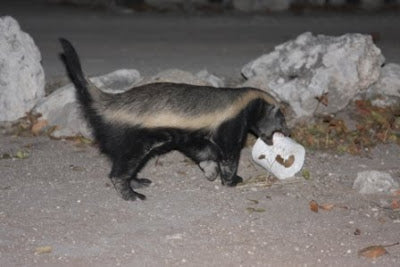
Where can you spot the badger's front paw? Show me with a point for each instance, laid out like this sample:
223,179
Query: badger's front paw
232,182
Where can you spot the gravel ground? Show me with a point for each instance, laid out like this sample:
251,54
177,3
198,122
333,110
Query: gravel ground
60,196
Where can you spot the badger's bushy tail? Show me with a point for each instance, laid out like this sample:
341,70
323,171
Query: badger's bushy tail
72,64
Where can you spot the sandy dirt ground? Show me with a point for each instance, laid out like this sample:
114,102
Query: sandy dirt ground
58,208
60,197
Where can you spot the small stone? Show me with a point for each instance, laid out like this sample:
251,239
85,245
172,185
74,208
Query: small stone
372,182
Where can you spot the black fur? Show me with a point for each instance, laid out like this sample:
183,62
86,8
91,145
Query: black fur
130,145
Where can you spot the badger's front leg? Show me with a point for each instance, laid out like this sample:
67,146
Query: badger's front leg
229,166
230,138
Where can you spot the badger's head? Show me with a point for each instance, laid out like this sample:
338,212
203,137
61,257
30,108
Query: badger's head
270,120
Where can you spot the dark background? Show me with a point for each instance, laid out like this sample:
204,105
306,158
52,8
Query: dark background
195,35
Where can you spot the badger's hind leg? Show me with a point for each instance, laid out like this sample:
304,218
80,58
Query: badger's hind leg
123,187
125,166
136,155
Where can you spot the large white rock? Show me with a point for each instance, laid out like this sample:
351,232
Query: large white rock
21,74
62,110
210,78
117,81
260,5
373,182
386,91
310,66
180,76
175,76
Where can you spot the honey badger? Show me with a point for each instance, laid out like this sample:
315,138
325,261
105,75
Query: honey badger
208,125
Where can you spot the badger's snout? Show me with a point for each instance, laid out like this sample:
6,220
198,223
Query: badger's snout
267,138
286,132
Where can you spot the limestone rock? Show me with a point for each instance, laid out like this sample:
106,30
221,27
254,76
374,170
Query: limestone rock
181,76
372,182
21,74
211,79
301,70
386,92
118,81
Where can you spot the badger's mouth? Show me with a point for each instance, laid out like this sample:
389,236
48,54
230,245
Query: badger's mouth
267,138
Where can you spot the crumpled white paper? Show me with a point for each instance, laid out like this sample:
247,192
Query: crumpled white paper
283,159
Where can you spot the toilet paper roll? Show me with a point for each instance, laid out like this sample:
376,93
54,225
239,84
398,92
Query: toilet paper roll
283,159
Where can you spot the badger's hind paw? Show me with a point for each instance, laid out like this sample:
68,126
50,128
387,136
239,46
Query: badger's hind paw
124,189
233,182
132,196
